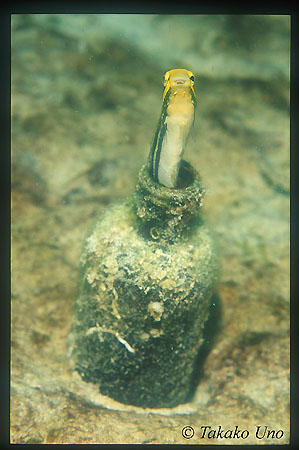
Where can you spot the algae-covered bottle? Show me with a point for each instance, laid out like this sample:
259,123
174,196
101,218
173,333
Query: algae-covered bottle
148,273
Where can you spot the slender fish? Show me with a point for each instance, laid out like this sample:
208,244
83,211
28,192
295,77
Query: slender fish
174,126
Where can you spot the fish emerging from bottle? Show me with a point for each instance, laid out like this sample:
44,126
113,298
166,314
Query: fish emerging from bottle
174,126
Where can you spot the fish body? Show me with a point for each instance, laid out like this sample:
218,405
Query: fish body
174,126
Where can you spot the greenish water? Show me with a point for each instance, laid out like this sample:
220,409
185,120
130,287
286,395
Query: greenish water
86,96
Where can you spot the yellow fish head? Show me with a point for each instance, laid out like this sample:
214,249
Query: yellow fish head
178,78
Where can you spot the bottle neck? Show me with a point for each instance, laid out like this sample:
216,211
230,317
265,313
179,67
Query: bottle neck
164,214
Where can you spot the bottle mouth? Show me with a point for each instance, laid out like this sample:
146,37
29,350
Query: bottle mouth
185,176
188,185
162,212
188,179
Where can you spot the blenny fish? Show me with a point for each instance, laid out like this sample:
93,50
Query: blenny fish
174,126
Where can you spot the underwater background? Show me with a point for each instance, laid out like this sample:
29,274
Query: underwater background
86,97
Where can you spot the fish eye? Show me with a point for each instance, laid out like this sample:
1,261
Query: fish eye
192,78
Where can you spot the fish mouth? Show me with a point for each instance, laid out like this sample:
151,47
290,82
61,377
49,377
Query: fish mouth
180,81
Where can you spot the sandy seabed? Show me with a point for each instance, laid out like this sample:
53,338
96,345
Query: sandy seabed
86,96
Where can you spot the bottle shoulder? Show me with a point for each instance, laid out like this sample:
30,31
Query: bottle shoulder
116,244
